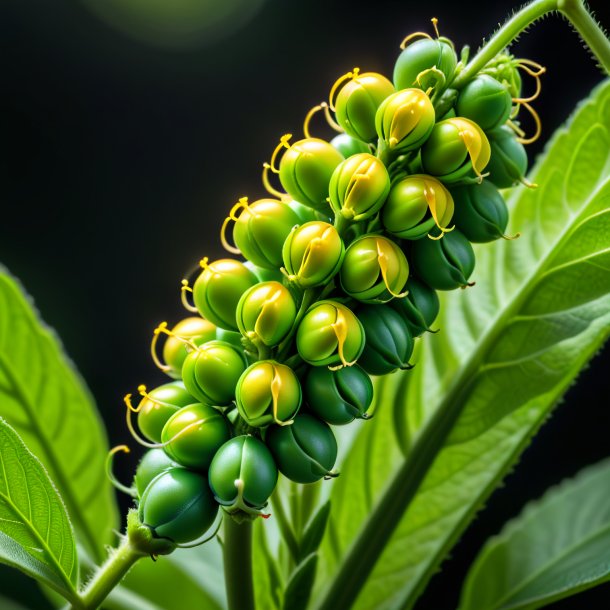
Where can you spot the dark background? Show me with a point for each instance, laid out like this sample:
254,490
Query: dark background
121,159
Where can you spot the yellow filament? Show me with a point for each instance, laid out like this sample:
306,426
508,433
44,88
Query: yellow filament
538,123
410,37
183,290
269,188
526,183
153,352
382,259
110,474
283,144
276,387
242,204
143,393
329,119
435,26
162,328
516,128
511,237
338,83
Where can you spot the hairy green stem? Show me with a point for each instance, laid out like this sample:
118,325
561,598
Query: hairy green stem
237,548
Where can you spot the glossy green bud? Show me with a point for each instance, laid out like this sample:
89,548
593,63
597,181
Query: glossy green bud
389,343
374,270
266,313
304,452
405,120
305,171
211,372
480,212
422,57
417,205
455,149
419,308
485,101
218,289
338,397
178,505
152,464
268,392
358,101
444,264
508,162
349,146
261,229
330,334
243,474
175,351
358,187
313,254
192,435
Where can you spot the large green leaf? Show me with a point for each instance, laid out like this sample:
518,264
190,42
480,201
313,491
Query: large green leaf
35,532
44,399
557,547
507,351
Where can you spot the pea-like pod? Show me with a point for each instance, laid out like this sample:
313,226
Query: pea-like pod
480,212
338,397
330,334
178,505
508,162
192,435
421,61
419,308
152,464
485,101
389,343
313,254
268,392
374,270
218,289
211,372
444,264
304,452
416,206
359,187
348,146
243,475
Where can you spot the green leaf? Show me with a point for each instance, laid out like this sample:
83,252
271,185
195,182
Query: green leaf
557,547
268,585
506,352
35,532
9,604
298,589
314,532
44,399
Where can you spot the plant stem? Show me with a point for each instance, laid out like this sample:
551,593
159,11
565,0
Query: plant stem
237,546
284,525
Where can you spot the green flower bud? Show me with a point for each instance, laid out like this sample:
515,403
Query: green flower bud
419,308
456,147
304,452
178,505
211,372
338,397
374,270
305,171
152,464
218,289
480,213
192,435
508,162
243,474
423,63
268,392
405,120
444,264
358,101
415,206
313,254
266,313
330,334
389,343
349,146
485,101
504,68
359,186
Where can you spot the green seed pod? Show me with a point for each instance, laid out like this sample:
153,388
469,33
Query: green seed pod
419,308
508,162
261,229
243,474
330,334
313,254
152,464
178,505
338,397
444,264
266,313
422,56
304,452
358,187
480,212
456,148
211,372
389,343
358,101
305,171
192,435
268,392
374,270
415,206
485,101
218,289
349,146
405,120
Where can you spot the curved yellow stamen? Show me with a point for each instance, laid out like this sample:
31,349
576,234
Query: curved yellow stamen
410,37
329,119
242,204
511,237
183,298
269,188
162,328
538,123
284,143
435,26
153,352
382,259
130,491
338,83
